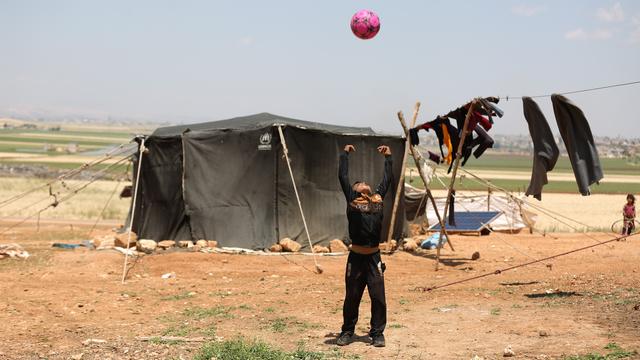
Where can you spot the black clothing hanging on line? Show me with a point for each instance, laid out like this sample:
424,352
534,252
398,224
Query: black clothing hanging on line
578,139
545,150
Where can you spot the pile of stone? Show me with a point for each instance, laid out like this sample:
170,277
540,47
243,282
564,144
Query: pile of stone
288,245
412,244
113,240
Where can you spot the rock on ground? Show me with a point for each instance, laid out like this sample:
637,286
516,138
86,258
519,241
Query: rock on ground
202,244
409,245
121,240
508,352
104,242
165,244
185,243
275,248
389,246
320,249
146,246
290,245
212,244
336,246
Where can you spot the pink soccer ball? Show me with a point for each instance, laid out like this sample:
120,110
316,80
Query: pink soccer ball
365,24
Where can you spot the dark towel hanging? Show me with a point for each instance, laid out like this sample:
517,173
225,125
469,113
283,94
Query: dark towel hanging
545,150
578,139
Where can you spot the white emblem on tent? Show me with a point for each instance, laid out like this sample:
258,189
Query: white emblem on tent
265,141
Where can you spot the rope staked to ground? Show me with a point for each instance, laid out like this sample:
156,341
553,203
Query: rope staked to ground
552,214
500,271
285,150
56,202
68,174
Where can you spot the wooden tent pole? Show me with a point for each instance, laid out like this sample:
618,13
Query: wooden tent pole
142,149
396,200
454,173
416,159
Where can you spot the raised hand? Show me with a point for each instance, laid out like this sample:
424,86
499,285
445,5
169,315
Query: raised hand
349,148
384,150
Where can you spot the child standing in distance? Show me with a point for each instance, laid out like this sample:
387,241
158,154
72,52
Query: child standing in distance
629,214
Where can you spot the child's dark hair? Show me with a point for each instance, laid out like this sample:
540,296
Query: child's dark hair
632,198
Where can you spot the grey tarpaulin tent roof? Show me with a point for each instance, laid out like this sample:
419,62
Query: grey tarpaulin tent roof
227,180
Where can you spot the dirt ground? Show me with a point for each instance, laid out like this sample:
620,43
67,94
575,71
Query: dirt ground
58,299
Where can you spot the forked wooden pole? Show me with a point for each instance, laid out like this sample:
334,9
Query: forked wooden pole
141,150
416,159
454,173
396,200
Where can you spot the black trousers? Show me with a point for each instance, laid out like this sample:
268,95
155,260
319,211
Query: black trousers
364,270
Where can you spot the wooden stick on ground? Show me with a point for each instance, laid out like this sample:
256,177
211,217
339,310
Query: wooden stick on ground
172,338
416,158
396,200
454,173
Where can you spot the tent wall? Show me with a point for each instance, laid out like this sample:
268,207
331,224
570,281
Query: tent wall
229,187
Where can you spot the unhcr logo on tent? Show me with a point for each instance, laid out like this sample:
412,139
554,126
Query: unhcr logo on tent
265,141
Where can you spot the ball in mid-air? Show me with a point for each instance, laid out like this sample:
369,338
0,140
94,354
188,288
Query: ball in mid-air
365,24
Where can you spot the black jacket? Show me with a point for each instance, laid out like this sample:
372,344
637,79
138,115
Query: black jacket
578,139
545,150
364,213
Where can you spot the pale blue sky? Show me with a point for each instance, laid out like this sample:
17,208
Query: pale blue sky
184,61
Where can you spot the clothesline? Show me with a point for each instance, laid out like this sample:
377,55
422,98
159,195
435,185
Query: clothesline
576,91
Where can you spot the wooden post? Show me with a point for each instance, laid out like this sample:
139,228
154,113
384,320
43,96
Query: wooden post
454,173
416,159
488,198
407,145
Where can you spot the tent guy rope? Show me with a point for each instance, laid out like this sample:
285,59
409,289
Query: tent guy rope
285,150
500,271
120,149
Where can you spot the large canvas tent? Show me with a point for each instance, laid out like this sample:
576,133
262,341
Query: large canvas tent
228,181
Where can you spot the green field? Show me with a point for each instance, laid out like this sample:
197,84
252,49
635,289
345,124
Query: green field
21,142
522,165
521,186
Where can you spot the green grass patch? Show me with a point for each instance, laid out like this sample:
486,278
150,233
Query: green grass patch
178,330
241,349
495,311
282,324
161,341
203,313
614,352
182,296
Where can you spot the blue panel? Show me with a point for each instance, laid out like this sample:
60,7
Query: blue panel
470,220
